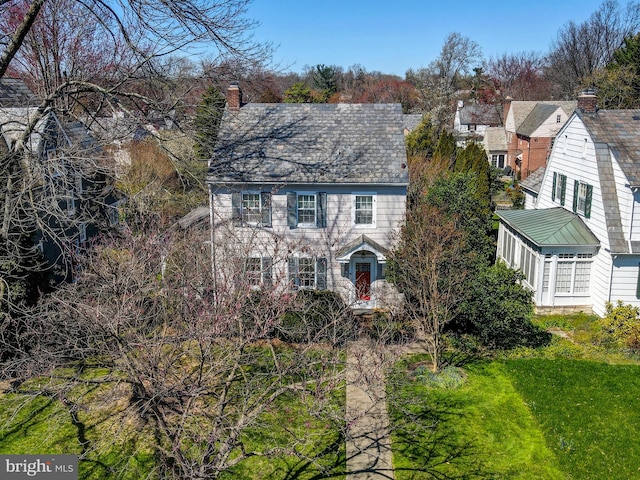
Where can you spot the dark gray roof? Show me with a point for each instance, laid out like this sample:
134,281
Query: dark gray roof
534,181
311,143
480,115
14,93
620,131
551,227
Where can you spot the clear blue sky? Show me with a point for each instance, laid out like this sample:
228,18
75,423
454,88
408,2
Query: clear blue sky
392,37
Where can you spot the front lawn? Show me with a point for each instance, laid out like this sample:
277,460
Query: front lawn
518,419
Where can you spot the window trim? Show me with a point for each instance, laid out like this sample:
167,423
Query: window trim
263,276
585,211
559,188
320,267
315,209
237,208
320,210
354,210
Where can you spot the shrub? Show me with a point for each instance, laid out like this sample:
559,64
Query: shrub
317,316
389,329
622,324
499,309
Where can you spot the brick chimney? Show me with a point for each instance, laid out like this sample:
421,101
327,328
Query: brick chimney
587,102
234,97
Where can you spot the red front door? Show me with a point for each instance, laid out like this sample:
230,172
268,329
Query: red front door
363,281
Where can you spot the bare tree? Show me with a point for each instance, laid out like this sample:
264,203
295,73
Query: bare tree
203,368
437,83
519,75
580,49
428,266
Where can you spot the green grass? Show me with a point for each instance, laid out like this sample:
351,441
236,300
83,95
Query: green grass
481,429
113,444
518,419
588,412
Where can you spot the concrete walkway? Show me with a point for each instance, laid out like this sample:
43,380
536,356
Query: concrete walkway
368,440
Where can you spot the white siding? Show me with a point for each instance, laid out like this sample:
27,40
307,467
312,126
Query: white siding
575,158
550,127
279,241
625,280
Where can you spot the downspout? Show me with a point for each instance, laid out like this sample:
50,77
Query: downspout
610,278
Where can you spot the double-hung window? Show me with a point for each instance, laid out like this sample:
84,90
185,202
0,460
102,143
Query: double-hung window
582,193
257,271
306,209
559,188
308,273
364,209
251,208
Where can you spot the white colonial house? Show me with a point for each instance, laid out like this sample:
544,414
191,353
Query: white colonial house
579,247
310,194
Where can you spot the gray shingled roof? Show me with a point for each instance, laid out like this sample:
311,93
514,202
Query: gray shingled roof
412,120
550,227
480,115
620,131
534,181
311,143
536,117
14,93
495,139
522,108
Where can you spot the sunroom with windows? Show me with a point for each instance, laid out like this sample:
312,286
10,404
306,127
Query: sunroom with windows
554,250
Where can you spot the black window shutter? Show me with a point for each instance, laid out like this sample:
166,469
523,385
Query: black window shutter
321,210
553,190
267,276
236,208
292,209
265,198
321,273
321,220
563,188
587,203
294,279
576,189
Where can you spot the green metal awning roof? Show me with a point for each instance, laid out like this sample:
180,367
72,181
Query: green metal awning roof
552,227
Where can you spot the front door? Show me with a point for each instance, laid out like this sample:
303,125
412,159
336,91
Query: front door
364,275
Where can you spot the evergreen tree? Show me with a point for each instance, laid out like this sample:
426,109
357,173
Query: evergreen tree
207,122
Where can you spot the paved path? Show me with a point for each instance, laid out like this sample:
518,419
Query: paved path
368,440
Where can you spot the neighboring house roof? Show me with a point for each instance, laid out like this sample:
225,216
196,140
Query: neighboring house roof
14,93
311,143
495,139
536,117
552,227
521,109
411,121
480,115
195,216
14,121
534,181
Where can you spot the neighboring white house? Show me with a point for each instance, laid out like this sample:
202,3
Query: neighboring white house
471,121
580,246
311,193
